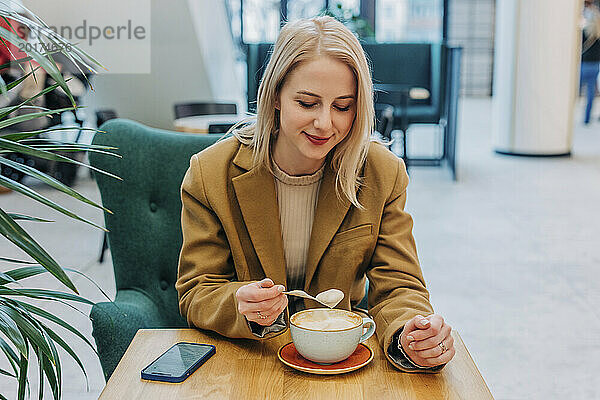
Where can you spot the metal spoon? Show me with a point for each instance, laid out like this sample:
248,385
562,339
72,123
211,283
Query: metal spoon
329,298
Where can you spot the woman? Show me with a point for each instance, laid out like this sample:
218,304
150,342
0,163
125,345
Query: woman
590,56
303,198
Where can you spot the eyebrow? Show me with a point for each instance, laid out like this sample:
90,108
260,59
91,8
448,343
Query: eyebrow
348,96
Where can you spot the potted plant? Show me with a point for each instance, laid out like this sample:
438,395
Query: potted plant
24,328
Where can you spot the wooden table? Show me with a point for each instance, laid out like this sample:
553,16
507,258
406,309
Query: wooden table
200,123
249,369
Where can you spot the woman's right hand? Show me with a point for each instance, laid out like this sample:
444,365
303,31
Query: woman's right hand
261,302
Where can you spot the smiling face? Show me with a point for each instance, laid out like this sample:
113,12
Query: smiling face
317,105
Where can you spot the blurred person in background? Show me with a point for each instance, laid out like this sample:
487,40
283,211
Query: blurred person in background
590,54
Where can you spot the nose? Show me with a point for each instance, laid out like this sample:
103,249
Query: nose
323,120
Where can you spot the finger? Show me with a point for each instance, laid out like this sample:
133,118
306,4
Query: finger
275,312
436,323
265,283
431,342
432,362
437,350
249,307
261,294
411,325
269,316
276,308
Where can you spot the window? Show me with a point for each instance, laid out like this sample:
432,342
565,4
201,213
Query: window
409,20
395,20
260,20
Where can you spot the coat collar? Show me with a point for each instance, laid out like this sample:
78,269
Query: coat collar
256,195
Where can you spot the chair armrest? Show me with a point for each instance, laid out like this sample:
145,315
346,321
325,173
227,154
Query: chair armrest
115,324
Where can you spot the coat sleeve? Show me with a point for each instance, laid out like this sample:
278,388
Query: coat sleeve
397,290
207,280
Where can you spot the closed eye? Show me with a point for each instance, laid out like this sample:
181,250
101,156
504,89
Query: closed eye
342,108
306,105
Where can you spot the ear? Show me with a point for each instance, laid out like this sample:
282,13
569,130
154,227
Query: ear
277,104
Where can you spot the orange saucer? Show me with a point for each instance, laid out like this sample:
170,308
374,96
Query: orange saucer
288,355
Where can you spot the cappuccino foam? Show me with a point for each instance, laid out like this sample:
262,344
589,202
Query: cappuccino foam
326,320
330,324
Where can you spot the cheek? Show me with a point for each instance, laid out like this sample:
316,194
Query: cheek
343,122
293,118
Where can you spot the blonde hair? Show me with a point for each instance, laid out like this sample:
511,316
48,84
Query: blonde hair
298,42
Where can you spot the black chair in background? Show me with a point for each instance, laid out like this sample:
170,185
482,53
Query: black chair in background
183,110
384,114
257,56
104,115
101,117
422,82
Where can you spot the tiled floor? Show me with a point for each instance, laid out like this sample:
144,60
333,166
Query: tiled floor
510,253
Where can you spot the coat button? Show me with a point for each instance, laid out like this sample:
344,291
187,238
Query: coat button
153,207
164,285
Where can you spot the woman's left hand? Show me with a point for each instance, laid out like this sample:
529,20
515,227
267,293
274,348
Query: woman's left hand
427,340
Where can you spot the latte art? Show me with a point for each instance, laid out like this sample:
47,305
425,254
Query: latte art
326,320
329,324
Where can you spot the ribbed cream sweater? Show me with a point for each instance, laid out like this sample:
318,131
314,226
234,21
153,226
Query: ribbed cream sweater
297,199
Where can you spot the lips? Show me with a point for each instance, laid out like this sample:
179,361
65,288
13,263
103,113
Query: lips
316,139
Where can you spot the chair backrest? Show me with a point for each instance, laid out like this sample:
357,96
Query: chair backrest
257,57
145,228
183,110
408,65
105,115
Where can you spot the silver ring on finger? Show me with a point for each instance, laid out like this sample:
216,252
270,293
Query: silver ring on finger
260,316
443,347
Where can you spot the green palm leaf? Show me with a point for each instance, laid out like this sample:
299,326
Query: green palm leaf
50,181
27,191
6,373
10,354
28,101
21,79
26,117
27,134
9,328
6,278
23,364
56,320
29,330
13,232
24,272
24,60
20,148
41,375
44,294
68,349
23,217
53,378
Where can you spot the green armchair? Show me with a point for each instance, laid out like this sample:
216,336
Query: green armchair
144,231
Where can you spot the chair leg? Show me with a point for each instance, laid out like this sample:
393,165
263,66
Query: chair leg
104,248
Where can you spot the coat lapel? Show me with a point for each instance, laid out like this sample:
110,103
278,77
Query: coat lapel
255,191
329,215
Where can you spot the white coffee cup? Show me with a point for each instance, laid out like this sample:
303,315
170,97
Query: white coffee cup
327,336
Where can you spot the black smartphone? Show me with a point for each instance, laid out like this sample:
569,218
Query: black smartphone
177,363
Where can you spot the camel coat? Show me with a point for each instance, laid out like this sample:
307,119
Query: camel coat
232,235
